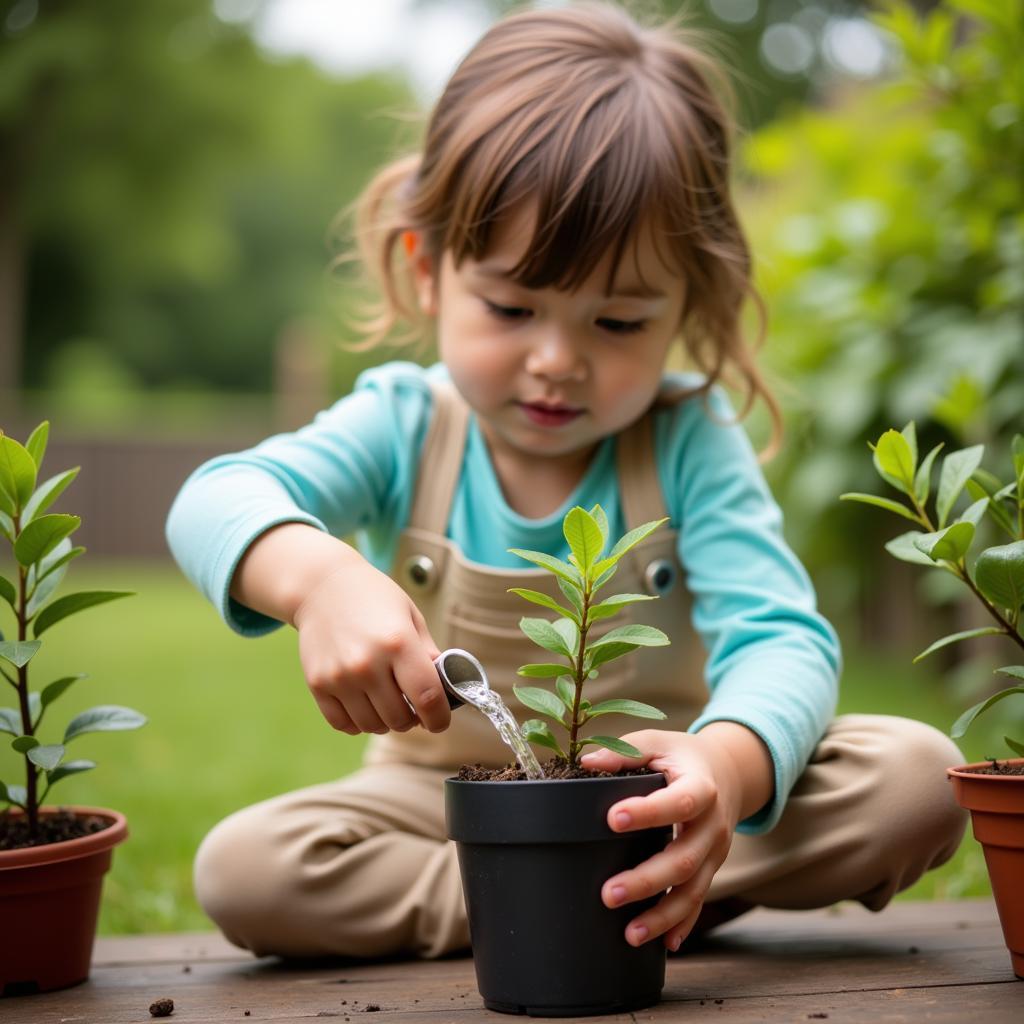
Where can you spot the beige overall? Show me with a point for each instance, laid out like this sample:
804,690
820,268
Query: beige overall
361,866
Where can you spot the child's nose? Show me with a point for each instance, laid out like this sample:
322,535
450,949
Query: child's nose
557,356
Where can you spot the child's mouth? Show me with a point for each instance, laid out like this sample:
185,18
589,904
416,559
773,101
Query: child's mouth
549,416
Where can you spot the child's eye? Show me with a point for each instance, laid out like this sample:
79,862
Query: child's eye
507,312
623,326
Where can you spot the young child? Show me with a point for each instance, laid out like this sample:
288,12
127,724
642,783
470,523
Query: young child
567,224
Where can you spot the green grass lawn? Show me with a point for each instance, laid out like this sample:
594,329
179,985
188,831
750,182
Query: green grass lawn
231,722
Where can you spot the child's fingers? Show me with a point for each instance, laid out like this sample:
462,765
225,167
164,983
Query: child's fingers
363,713
417,678
605,760
330,707
673,910
683,800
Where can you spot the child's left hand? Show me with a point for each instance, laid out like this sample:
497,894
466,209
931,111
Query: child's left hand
709,787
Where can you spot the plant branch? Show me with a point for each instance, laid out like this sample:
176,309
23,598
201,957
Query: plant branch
1011,630
580,675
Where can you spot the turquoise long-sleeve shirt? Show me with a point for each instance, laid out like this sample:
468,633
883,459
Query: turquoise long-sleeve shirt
773,660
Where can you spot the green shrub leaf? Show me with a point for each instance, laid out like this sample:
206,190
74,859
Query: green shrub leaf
961,725
1014,671
584,536
47,493
52,691
569,632
888,504
561,569
957,468
572,593
69,768
602,523
631,539
6,525
541,671
10,721
641,636
626,707
16,795
950,544
953,638
23,744
536,731
19,652
904,548
105,718
547,602
72,603
36,443
544,634
47,757
1017,748
539,699
607,652
42,535
895,461
17,473
566,690
923,478
7,591
613,605
1017,450
996,512
999,575
614,744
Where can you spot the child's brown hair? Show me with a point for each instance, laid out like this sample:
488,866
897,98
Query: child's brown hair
606,124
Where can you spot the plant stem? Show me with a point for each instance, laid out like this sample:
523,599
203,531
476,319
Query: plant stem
31,774
580,676
1011,632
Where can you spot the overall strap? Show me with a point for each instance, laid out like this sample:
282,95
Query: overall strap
440,460
639,485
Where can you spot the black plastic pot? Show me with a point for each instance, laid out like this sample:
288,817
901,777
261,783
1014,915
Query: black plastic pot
533,858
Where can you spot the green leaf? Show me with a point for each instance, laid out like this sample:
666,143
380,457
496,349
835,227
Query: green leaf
23,744
541,671
54,562
909,433
19,652
16,795
603,578
950,544
53,690
996,512
923,478
542,599
7,591
47,757
957,468
641,636
999,575
536,731
602,522
584,536
544,634
17,472
961,725
566,690
6,525
47,493
555,565
10,721
953,638
569,632
631,539
613,605
36,443
886,503
903,548
42,535
895,461
975,512
105,718
69,768
72,603
607,652
1017,450
6,511
1017,748
1014,671
614,744
626,707
539,699
573,594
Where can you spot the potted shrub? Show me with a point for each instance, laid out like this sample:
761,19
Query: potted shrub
992,791
534,853
52,860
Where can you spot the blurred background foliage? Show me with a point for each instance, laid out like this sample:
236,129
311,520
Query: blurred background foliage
169,183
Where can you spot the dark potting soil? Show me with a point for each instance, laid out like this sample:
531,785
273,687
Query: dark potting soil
999,768
53,828
556,768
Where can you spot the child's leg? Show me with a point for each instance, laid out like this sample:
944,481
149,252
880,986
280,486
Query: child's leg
357,867
872,812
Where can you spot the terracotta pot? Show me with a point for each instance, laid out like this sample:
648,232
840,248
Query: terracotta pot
996,803
533,857
49,902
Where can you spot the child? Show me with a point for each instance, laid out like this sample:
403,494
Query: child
567,222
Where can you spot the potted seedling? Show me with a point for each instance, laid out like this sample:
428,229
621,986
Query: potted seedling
535,853
993,791
52,860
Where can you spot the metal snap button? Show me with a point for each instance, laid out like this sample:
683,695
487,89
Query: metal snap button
419,570
660,576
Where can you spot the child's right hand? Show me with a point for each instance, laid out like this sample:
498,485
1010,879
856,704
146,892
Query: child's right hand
363,644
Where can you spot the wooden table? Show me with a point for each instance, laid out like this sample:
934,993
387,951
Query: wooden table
914,962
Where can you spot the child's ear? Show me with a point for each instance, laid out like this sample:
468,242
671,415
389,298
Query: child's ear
423,272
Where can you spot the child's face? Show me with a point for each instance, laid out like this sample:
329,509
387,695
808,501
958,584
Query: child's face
550,373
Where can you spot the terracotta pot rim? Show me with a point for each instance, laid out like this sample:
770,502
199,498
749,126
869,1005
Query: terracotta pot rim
964,771
68,849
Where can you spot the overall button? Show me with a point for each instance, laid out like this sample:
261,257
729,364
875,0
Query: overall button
420,571
660,576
